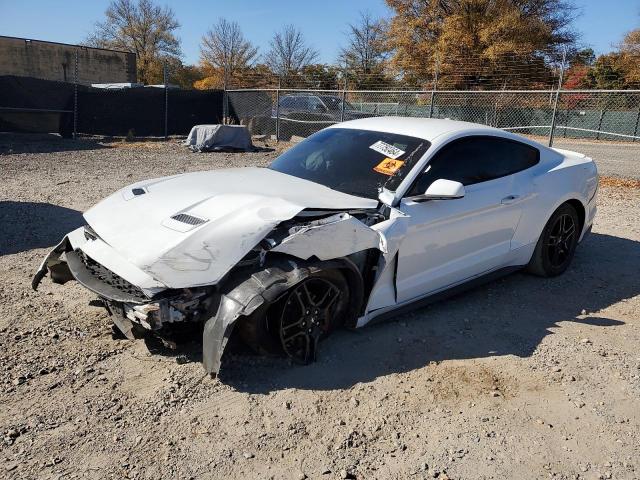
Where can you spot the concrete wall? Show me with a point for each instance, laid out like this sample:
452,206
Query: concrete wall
56,61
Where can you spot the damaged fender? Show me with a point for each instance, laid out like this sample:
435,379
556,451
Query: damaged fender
246,291
332,237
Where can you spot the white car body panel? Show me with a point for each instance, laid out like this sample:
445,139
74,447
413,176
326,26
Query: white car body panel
449,240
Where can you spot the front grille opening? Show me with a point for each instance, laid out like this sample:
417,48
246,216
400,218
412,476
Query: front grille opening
102,273
188,219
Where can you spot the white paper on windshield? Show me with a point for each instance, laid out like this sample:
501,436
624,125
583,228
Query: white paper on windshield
386,149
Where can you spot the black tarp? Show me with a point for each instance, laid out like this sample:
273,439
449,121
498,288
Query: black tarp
140,111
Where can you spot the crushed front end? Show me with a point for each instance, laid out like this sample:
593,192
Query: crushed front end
83,256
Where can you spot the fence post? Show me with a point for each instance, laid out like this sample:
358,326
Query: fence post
278,114
435,86
75,97
495,106
344,97
600,124
555,102
635,129
166,101
225,94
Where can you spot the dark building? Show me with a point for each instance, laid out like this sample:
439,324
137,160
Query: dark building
56,61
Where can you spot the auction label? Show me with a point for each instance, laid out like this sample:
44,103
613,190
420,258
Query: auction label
386,149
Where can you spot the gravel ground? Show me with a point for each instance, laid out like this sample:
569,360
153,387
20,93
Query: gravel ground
613,159
522,378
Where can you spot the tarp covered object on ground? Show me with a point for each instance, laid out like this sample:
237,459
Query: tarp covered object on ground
206,138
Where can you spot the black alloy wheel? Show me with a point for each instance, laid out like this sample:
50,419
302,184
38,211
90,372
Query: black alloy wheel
310,311
561,240
557,243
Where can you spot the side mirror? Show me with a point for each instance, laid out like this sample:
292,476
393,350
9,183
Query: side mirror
443,189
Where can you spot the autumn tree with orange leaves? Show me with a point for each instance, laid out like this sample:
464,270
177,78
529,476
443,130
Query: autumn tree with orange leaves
474,43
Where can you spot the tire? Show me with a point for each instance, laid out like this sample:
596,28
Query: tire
268,330
557,243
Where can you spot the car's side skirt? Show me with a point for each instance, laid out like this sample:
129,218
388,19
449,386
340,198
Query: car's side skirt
395,310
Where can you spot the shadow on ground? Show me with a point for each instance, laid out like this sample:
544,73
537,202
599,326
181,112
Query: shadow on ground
15,143
28,225
510,316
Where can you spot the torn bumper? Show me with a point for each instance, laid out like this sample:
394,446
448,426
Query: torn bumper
98,271
99,257
53,264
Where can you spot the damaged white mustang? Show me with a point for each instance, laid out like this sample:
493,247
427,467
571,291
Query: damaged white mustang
359,220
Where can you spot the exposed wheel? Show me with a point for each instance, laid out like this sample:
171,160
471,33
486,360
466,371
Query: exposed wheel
557,243
306,314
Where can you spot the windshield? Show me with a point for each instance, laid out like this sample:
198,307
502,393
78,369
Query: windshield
357,162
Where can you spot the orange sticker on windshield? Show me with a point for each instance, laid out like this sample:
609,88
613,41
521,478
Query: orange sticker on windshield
388,166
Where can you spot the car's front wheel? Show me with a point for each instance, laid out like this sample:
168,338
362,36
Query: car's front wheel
306,314
557,243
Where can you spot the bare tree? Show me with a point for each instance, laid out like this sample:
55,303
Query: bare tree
365,51
289,52
224,47
140,27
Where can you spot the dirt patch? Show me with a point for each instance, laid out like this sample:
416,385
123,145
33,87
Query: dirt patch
619,182
521,378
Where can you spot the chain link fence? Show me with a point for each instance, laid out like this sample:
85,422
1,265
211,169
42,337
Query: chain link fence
299,105
580,114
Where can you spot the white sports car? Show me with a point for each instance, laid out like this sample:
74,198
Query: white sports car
357,221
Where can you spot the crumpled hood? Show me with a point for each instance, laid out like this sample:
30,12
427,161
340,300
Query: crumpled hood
237,208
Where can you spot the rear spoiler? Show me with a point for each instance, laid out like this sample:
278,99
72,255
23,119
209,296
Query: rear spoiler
569,153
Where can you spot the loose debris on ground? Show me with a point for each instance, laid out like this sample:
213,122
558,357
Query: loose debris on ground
522,378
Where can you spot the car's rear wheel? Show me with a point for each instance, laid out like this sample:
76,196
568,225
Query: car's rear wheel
306,314
557,243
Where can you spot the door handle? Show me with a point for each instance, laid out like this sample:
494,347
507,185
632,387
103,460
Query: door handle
509,199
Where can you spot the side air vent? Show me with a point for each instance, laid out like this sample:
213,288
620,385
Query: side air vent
188,219
138,191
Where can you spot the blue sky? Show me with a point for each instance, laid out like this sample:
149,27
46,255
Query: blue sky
602,22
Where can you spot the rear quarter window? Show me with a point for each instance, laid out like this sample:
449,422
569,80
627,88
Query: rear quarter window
476,159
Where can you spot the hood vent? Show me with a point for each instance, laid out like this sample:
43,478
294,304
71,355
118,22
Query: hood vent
183,222
130,193
188,219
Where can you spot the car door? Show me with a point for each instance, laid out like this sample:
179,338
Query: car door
449,241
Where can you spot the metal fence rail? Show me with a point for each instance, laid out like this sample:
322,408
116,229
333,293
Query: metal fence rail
588,114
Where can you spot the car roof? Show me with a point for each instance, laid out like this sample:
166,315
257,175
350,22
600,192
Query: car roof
426,128
309,94
300,94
